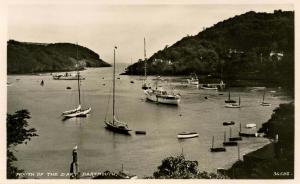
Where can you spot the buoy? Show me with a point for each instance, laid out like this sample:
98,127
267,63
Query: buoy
205,97
69,87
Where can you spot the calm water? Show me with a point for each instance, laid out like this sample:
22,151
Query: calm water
100,149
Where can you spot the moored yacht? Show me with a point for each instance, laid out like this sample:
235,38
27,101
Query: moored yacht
79,111
114,124
234,105
160,95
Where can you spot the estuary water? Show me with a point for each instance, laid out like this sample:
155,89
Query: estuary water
100,150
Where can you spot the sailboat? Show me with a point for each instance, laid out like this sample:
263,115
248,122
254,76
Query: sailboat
263,103
77,112
145,86
160,95
239,138
229,100
228,143
234,105
116,125
216,149
131,81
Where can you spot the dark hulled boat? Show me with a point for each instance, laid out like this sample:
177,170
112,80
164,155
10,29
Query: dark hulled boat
246,134
218,149
229,100
228,123
116,125
229,143
234,138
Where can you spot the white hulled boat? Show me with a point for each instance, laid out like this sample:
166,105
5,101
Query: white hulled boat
251,125
187,135
160,95
79,111
209,87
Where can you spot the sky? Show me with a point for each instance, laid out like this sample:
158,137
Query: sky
100,27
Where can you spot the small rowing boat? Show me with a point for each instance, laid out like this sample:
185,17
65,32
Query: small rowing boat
140,132
228,123
251,125
186,135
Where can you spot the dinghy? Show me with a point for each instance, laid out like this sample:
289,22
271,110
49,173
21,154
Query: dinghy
251,125
187,135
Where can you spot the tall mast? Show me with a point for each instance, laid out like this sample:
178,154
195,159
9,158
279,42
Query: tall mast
131,65
78,75
264,96
238,149
114,85
145,58
240,127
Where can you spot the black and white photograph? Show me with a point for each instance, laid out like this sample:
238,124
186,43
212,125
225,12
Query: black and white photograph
149,90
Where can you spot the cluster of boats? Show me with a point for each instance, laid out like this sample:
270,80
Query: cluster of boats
68,76
233,141
194,80
156,94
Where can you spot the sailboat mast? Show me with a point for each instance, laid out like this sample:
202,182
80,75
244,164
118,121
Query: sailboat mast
131,65
212,142
114,85
145,58
78,75
240,127
264,96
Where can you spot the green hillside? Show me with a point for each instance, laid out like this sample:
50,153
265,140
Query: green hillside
24,57
248,46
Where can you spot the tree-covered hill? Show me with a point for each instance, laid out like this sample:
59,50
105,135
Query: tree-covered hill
25,57
248,46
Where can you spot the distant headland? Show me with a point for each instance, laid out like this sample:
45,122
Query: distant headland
29,57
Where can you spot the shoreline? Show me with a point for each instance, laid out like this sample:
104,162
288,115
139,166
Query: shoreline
276,159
